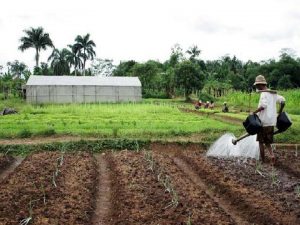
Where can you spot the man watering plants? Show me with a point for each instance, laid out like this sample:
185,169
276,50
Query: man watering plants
266,112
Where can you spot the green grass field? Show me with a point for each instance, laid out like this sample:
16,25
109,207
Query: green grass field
240,100
151,119
143,120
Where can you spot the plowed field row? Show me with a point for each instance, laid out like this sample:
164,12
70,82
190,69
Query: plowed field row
49,188
169,184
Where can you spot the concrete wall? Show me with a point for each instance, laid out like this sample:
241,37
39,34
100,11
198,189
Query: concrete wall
82,94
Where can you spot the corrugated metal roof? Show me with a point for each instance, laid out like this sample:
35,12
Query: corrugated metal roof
86,80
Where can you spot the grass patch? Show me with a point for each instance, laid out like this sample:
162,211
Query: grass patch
47,132
130,120
24,133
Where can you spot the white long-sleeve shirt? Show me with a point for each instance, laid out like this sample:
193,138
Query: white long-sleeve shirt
268,101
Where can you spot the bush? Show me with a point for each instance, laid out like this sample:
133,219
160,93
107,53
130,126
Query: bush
154,94
205,97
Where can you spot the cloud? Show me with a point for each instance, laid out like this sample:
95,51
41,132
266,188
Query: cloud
212,27
23,17
273,36
295,15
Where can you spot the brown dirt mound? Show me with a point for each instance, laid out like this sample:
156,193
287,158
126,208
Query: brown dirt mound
33,190
252,204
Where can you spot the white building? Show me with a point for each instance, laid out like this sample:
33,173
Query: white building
82,89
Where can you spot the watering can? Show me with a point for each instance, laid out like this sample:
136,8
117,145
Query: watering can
253,125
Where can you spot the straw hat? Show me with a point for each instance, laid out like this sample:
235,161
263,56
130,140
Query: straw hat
260,79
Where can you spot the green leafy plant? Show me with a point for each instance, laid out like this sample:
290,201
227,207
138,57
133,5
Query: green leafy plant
25,133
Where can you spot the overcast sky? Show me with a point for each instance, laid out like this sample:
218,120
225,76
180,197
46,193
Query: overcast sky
147,29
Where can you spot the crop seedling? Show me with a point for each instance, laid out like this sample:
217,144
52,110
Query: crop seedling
175,200
297,191
189,221
274,178
137,148
44,193
258,168
165,180
30,217
167,184
53,180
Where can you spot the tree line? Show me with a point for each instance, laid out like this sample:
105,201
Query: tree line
185,73
182,74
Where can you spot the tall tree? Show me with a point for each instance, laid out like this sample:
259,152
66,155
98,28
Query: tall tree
59,61
194,52
16,68
124,68
189,77
37,39
74,57
85,45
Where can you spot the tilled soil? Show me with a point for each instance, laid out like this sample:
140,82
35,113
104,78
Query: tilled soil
168,184
49,188
138,197
275,183
200,206
289,161
253,203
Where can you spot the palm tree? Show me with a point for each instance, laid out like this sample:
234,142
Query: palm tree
37,39
85,45
74,57
194,52
60,62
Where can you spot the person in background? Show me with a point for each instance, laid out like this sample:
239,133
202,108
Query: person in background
197,105
206,105
211,105
200,103
225,108
266,112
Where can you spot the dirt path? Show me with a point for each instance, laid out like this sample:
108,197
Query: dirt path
43,140
10,168
103,195
222,118
197,181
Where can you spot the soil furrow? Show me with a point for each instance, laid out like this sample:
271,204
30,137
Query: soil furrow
288,160
139,198
202,208
273,182
49,188
254,205
103,195
218,199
